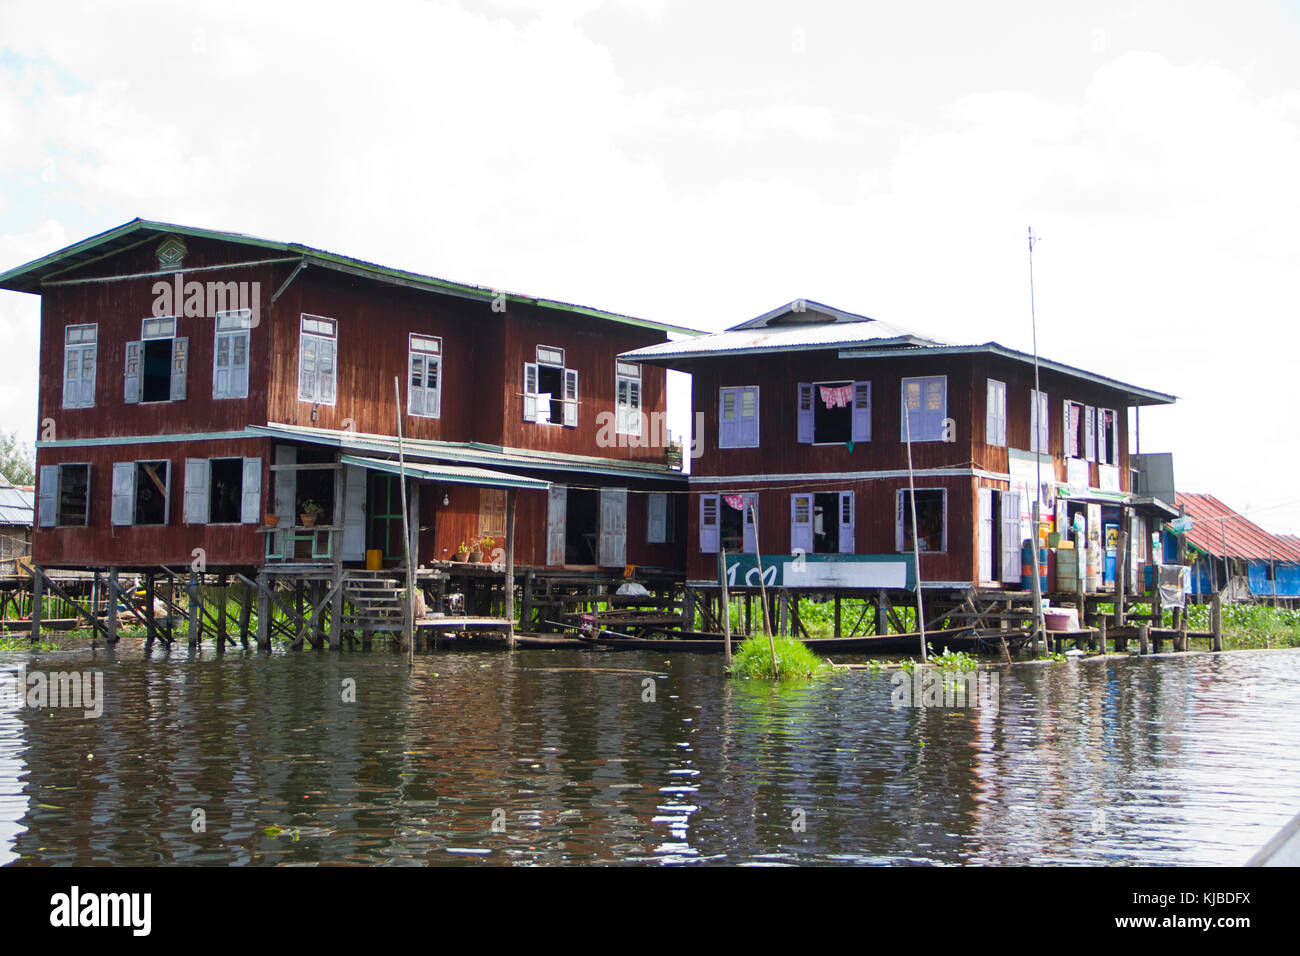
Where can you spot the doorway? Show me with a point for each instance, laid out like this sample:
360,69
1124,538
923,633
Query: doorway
384,515
581,526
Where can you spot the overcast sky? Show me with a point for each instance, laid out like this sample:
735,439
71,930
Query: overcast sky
700,163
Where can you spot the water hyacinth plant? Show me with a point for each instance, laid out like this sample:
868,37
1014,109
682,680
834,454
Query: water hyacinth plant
793,660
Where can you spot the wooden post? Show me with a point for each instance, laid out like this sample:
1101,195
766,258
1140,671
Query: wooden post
245,613
882,616
192,591
38,588
726,618
1121,577
1143,647
837,616
110,609
221,614
408,633
511,494
336,553
263,612
150,619
1216,621
1101,635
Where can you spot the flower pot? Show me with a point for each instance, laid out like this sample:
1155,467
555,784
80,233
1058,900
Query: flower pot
476,557
271,520
459,557
307,520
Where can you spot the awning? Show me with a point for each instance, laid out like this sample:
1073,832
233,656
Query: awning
451,474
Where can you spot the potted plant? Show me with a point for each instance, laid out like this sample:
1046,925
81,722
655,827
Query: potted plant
475,553
462,552
310,511
270,520
486,546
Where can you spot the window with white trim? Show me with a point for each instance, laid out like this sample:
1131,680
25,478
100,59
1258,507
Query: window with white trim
223,491
550,389
931,520
79,354
627,398
833,413
317,360
1080,431
1038,423
158,364
424,383
925,401
995,414
230,354
738,417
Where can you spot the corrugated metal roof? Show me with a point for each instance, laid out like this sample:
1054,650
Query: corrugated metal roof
854,336
473,454
455,474
1216,528
30,276
17,505
780,338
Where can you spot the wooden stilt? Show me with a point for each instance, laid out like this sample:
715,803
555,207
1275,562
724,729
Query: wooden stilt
196,626
1143,647
222,600
110,607
150,619
263,613
1216,621
511,494
837,616
245,613
882,614
38,590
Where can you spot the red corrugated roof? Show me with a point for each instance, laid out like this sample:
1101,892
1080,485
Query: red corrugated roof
1216,527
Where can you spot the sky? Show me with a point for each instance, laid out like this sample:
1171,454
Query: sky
701,163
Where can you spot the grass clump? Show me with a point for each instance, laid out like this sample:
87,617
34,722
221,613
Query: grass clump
793,659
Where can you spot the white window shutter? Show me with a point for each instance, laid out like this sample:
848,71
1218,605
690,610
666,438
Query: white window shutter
530,395
900,515
415,385
123,492
132,382
749,423
327,370
47,506
354,512
847,521
433,386
613,527
709,530
250,505
1090,433
657,517
570,398
805,413
801,527
861,411
1010,536
198,474
557,500
728,417
180,367
748,520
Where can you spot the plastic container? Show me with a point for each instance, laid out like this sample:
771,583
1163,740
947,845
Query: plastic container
1027,567
374,559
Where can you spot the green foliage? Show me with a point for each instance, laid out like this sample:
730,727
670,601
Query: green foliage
793,659
953,660
17,462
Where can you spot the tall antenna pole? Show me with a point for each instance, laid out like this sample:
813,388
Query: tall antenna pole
1040,630
916,541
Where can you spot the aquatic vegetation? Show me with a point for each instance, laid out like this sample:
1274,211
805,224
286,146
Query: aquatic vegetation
793,659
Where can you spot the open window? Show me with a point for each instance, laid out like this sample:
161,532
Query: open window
424,387
925,403
822,522
317,360
230,354
79,366
728,521
1107,436
64,496
931,520
157,366
550,389
1080,431
832,413
223,490
141,492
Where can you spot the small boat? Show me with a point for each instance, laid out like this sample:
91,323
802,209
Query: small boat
697,642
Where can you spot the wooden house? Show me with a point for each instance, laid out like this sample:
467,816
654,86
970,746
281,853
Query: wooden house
217,400
802,416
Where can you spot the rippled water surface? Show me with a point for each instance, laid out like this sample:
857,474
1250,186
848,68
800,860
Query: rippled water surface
481,757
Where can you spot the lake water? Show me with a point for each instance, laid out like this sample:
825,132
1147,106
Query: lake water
539,757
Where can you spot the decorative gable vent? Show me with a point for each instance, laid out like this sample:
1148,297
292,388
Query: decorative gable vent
171,253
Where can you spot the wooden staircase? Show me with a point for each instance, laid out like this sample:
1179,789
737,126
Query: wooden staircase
373,601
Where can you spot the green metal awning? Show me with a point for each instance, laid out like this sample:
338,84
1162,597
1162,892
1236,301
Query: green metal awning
451,474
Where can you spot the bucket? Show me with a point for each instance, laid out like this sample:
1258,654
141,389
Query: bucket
1061,619
1027,567
374,559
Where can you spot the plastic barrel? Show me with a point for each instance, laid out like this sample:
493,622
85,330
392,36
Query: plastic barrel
1027,567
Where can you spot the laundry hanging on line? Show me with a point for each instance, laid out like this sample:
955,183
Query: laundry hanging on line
836,396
